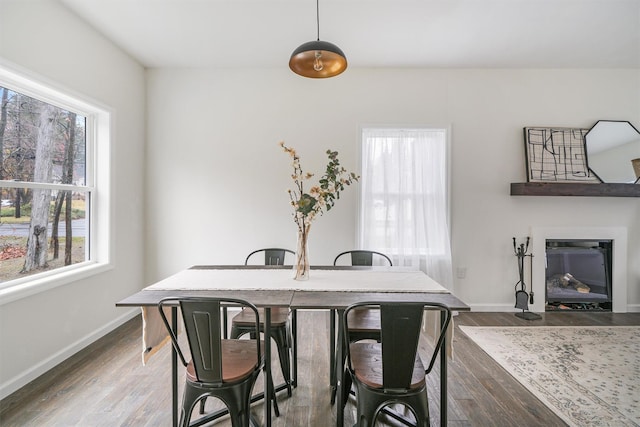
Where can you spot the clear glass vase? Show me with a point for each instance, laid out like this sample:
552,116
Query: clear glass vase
301,266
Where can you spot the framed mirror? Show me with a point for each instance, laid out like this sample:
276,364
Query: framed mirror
611,147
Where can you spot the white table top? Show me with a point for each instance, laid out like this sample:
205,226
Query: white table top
392,280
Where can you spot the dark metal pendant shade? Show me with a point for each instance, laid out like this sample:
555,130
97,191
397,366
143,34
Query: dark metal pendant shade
318,59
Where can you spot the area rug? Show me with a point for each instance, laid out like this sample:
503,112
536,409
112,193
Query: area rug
589,376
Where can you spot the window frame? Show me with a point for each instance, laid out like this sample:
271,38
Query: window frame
99,122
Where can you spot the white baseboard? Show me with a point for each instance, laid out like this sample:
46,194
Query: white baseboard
633,308
493,307
26,377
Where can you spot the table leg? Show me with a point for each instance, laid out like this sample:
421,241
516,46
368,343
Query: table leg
332,354
339,373
294,350
174,369
268,386
443,371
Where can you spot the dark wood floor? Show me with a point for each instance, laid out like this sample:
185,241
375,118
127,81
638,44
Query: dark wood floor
106,384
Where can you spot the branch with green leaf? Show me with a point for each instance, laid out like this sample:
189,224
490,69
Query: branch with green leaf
320,197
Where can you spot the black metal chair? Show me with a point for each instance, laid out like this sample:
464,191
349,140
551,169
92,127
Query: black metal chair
365,323
390,371
242,323
272,256
362,257
223,368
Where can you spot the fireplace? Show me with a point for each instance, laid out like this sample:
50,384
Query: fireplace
578,274
617,236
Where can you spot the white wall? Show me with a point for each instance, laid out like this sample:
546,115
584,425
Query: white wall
39,331
213,159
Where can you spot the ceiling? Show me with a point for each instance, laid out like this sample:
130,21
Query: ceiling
373,33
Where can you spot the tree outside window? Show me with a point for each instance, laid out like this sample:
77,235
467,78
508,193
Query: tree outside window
43,186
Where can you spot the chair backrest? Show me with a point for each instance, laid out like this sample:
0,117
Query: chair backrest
401,323
272,256
203,327
362,257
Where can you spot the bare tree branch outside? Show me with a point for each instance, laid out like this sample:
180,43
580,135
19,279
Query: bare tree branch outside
42,178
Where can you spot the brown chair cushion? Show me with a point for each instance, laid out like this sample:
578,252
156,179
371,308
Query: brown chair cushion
366,361
239,358
279,316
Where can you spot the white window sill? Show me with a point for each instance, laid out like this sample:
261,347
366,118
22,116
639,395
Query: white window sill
32,285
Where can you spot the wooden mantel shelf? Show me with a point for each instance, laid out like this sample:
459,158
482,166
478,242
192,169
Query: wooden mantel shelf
574,189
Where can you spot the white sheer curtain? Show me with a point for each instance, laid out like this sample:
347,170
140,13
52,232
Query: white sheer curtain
404,201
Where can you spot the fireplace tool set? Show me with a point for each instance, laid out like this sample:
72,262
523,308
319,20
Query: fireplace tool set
523,299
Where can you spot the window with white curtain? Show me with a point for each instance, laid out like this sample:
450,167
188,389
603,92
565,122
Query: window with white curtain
404,198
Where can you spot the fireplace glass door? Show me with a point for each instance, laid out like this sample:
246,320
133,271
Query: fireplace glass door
578,274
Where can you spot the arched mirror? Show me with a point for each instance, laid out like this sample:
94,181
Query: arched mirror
612,146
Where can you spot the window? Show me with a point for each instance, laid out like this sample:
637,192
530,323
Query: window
54,148
404,198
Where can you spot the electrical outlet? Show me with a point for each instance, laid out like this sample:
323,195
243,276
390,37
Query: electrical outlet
461,272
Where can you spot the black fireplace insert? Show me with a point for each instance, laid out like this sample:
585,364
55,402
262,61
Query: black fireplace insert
578,274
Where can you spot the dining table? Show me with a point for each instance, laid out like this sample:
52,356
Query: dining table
331,288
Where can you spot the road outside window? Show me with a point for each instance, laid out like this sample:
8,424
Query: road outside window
44,194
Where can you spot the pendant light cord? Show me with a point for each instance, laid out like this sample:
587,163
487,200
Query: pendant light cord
318,17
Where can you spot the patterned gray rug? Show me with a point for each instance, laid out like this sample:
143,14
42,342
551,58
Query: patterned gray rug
589,376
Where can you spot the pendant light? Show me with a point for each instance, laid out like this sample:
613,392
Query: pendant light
318,59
